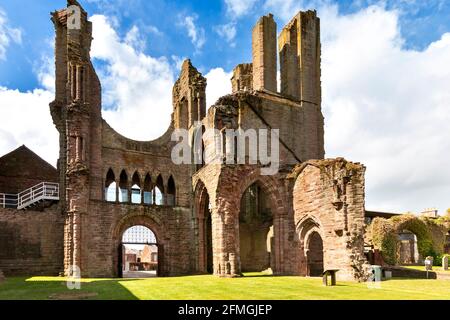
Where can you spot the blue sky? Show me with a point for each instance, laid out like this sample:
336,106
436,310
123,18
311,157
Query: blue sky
385,77
421,23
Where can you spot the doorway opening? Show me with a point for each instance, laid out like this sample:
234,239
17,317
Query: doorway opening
256,233
138,253
315,255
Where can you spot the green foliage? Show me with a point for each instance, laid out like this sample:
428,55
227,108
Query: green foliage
438,259
385,239
430,235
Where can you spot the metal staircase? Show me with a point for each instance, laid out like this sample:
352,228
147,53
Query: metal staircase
44,191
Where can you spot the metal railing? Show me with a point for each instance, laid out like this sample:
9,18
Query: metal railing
8,200
40,192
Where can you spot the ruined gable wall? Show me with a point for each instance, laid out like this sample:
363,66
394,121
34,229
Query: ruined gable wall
329,195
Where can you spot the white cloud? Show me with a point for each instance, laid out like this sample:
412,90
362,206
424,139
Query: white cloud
387,107
219,84
178,62
285,9
227,31
25,116
7,34
26,120
136,86
195,33
134,39
239,7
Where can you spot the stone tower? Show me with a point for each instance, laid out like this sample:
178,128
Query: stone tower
299,45
76,107
264,47
189,98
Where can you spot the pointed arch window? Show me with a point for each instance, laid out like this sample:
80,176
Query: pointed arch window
123,187
171,192
148,194
110,187
158,192
136,189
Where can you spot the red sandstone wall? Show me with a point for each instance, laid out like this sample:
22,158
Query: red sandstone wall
106,222
338,216
31,242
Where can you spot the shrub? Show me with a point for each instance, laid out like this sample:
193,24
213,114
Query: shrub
430,235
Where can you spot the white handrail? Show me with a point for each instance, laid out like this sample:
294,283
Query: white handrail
41,191
26,198
8,200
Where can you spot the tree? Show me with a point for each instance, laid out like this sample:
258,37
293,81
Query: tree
448,212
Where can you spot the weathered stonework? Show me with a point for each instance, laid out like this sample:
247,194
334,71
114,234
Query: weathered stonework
328,197
31,242
215,218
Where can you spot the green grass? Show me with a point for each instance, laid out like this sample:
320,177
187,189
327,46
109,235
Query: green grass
422,268
253,286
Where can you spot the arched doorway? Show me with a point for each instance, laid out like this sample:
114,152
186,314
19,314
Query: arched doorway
408,249
138,253
204,219
256,236
314,255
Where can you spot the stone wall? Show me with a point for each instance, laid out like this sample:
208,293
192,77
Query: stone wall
264,48
328,199
105,224
31,242
300,54
322,196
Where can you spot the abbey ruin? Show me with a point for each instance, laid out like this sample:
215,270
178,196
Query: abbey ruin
224,219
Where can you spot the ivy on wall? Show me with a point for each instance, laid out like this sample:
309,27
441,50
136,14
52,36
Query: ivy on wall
430,235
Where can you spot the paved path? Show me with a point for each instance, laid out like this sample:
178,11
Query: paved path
139,274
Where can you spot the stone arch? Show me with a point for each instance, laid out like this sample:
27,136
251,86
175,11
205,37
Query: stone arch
123,186
417,227
147,189
273,190
129,221
110,193
136,188
314,254
271,186
158,191
171,191
306,229
205,227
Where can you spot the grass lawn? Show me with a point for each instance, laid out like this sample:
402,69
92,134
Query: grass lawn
252,286
422,268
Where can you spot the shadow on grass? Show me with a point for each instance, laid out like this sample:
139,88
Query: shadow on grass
56,289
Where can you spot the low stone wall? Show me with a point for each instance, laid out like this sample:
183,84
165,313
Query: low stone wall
31,242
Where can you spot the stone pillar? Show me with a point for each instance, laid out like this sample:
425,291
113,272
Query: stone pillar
225,219
68,244
300,52
264,51
445,262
